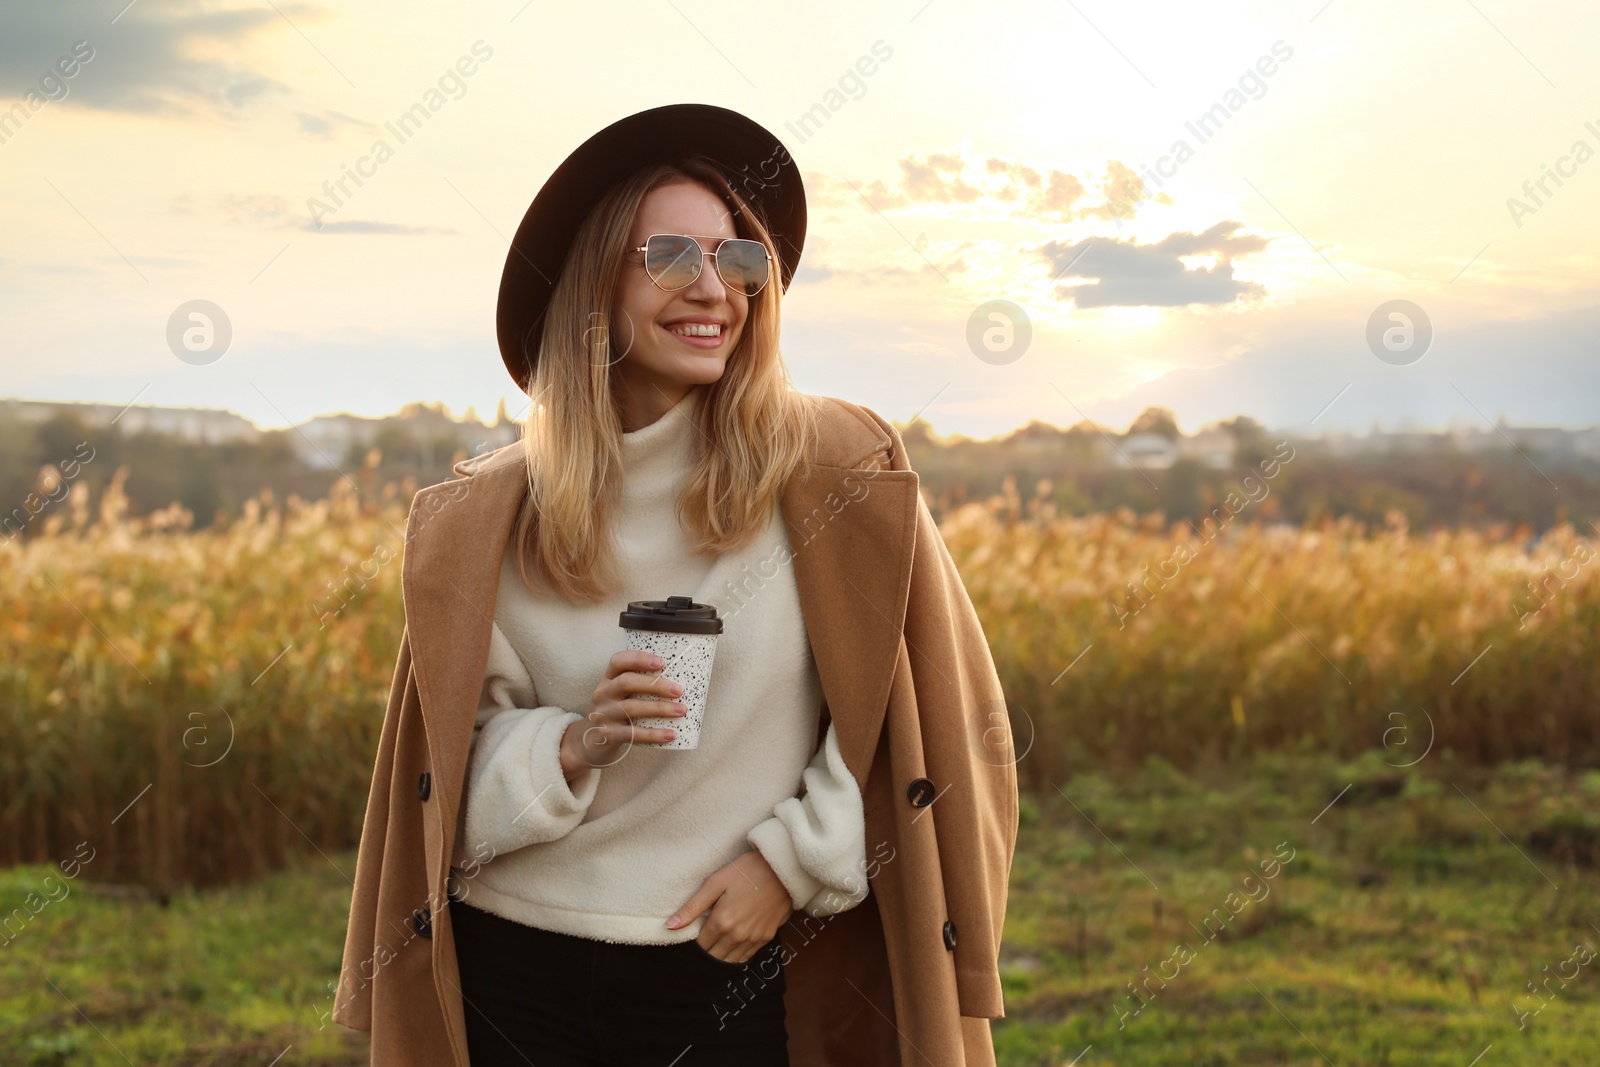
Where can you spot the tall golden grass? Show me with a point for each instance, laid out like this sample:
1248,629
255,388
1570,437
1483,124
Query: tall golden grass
1336,639
134,652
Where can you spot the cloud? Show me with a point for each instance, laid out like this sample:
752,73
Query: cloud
255,209
159,57
1049,195
922,259
1128,274
806,274
826,191
1059,196
354,226
1028,175
156,261
937,179
1002,186
1121,192
59,268
866,277
322,125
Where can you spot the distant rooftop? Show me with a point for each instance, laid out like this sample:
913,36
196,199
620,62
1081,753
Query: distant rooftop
319,441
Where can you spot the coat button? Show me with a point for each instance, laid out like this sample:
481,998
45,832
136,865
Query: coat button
949,936
424,786
920,792
422,922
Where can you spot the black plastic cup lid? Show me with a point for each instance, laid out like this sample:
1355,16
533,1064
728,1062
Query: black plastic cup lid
676,614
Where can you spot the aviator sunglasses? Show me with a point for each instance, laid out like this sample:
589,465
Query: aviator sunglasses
674,261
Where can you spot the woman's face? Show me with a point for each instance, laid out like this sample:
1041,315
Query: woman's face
657,367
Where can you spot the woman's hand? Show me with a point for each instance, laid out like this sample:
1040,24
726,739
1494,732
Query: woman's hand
750,904
603,737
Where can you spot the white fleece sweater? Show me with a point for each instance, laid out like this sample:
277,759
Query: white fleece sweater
612,855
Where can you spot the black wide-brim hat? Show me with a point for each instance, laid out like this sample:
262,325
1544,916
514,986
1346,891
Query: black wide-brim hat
757,164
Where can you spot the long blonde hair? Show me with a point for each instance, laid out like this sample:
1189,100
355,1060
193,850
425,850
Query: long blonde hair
753,427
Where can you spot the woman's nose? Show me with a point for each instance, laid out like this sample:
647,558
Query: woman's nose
709,286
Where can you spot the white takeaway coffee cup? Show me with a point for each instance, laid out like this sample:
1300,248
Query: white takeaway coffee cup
684,635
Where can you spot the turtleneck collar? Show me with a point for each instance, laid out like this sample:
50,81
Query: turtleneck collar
666,446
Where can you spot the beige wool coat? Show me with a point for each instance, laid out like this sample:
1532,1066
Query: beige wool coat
908,977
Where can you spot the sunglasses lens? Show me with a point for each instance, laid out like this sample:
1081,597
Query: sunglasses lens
743,265
671,261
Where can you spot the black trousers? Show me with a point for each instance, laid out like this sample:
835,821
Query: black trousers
555,1000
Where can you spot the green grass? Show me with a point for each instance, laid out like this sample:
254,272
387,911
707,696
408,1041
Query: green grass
221,978
1400,932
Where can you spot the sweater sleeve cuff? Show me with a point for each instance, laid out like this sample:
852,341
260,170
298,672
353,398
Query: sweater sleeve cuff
776,846
562,799
517,793
816,843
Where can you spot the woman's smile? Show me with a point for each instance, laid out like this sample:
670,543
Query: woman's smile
696,339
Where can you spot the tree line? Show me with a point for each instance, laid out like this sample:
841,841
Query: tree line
1072,469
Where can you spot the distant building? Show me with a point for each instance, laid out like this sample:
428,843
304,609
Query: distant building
211,425
323,442
1212,447
326,440
1553,442
1546,440
1145,451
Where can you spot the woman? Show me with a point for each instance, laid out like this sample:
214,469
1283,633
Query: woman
600,899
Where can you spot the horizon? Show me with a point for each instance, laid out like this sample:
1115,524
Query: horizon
1327,433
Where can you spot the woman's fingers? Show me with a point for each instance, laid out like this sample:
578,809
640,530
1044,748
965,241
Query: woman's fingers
627,684
632,659
612,724
631,676
651,735
726,947
646,709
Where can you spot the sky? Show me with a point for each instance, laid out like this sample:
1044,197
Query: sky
1047,211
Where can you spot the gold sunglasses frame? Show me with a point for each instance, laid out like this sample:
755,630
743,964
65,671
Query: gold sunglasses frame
701,266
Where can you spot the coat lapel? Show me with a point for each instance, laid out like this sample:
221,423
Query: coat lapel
851,532
455,538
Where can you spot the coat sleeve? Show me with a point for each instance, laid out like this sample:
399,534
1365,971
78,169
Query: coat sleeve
970,758
517,793
816,843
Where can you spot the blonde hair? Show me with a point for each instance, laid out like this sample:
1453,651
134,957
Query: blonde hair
753,427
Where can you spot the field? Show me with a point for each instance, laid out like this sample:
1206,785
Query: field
1402,929
1411,715
1150,920
196,705
223,977
229,683
1205,644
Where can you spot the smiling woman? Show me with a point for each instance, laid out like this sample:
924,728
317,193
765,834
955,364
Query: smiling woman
667,457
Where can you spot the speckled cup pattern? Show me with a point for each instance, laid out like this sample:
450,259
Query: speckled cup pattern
688,662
